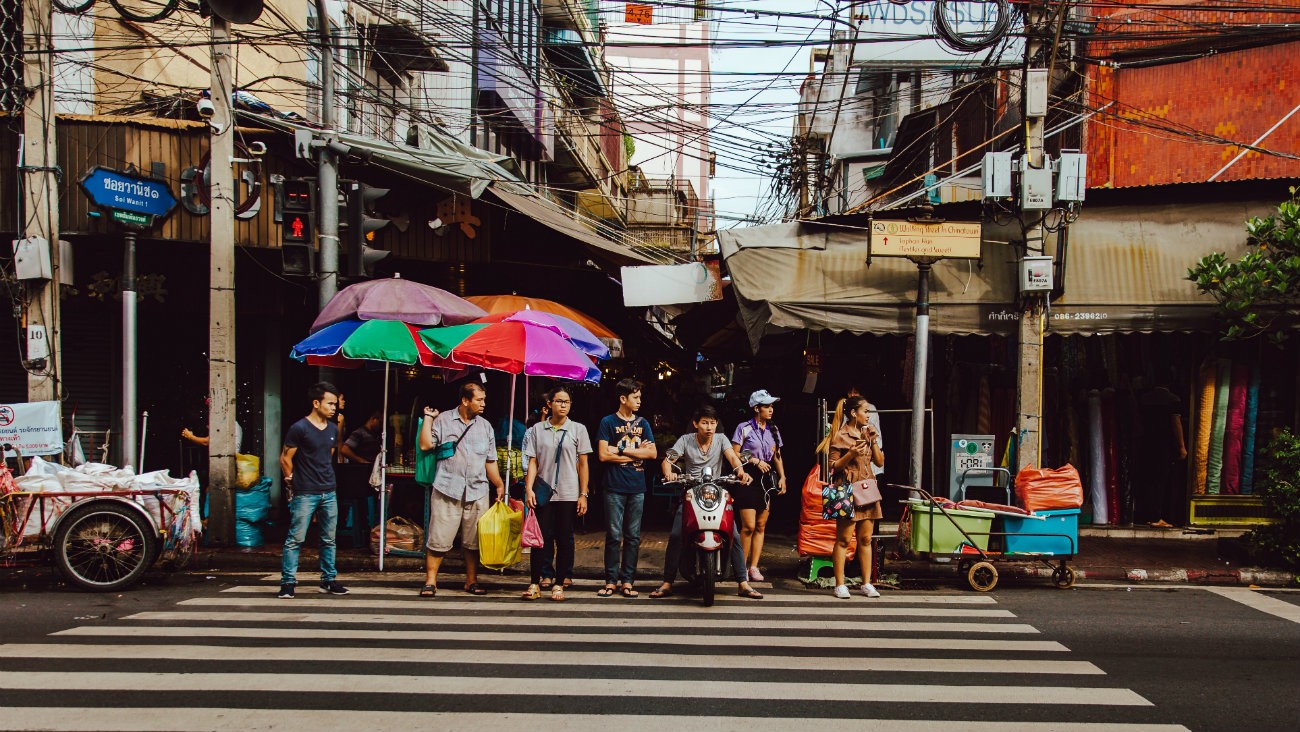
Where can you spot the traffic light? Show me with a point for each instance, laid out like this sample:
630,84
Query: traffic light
297,235
360,222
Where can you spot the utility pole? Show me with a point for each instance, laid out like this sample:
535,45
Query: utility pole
221,294
130,437
327,175
920,368
39,168
1029,371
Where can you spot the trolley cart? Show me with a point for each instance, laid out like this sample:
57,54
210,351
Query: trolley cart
99,541
943,531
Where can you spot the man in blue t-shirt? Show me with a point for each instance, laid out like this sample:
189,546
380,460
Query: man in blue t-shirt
624,443
307,464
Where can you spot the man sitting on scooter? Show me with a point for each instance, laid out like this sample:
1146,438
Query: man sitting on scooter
690,455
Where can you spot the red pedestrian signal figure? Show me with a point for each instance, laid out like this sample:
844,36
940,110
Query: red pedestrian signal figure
296,227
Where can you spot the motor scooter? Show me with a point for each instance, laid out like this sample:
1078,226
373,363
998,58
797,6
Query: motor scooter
708,525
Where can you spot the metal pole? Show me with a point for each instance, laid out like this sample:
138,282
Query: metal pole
129,339
144,432
40,194
221,295
327,178
383,474
914,474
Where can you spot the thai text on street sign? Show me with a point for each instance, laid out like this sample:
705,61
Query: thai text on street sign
33,428
947,240
114,191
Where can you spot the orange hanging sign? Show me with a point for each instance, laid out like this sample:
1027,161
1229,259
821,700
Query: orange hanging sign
638,13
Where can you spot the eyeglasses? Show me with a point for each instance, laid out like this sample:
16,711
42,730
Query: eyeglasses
560,401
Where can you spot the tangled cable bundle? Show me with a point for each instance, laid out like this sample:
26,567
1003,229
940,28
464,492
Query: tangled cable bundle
945,28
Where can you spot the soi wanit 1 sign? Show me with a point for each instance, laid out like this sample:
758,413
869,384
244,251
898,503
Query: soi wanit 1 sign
129,198
33,428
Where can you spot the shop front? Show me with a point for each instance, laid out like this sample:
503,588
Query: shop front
1128,346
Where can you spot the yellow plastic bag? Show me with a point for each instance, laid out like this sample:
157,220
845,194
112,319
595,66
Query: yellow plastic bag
248,468
498,536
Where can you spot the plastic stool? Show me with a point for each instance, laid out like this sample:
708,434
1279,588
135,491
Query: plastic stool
356,530
815,567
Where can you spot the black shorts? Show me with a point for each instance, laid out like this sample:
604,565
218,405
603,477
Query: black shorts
754,496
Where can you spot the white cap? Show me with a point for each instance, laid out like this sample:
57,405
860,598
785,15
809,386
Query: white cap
762,397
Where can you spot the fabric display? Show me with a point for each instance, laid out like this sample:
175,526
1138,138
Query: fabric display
1227,429
1249,432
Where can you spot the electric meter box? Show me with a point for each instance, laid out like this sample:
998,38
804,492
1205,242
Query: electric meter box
995,173
1036,93
1036,185
32,259
966,452
1035,274
1072,178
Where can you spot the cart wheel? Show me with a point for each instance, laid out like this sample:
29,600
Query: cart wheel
982,576
104,546
1063,577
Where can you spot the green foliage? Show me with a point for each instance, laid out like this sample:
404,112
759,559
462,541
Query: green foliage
629,147
1254,291
1278,484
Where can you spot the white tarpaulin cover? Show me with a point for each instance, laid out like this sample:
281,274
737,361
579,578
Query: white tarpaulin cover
1126,272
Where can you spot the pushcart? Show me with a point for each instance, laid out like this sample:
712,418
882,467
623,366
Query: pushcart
100,541
943,531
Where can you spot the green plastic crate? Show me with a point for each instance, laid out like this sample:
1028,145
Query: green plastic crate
934,532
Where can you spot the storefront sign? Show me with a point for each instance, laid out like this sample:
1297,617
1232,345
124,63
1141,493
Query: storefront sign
115,191
948,240
34,428
670,284
911,26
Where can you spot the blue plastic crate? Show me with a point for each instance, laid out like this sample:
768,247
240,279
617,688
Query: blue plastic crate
1064,521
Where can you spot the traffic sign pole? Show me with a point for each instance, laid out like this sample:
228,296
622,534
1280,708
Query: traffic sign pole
130,440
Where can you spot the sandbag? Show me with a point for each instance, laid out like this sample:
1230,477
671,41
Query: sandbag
499,530
248,468
1045,489
399,534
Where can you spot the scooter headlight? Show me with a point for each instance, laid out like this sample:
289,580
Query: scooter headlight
709,496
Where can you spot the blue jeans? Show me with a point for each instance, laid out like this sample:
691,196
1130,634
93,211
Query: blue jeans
622,535
301,508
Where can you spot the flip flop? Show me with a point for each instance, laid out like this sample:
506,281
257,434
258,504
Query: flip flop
627,591
606,591
557,593
661,593
546,583
428,591
751,594
473,589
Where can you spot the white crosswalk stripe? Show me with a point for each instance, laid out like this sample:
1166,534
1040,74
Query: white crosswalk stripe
383,659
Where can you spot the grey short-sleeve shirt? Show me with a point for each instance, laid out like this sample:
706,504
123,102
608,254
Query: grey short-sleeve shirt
541,440
463,476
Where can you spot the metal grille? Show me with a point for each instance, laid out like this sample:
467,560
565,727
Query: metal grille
11,56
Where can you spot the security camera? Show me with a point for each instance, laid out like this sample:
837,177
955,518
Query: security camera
206,108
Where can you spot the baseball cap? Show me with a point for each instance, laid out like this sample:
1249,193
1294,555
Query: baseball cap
762,397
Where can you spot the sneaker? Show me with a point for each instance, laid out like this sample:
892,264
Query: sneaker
755,575
334,588
286,592
869,590
842,591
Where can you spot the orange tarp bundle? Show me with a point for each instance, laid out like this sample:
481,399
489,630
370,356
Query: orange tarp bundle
1044,489
816,534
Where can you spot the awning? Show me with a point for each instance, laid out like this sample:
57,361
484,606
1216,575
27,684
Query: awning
440,160
1126,272
573,60
558,219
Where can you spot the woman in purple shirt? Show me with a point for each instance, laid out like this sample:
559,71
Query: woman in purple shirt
758,442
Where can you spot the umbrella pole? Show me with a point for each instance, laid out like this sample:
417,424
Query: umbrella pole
383,473
510,436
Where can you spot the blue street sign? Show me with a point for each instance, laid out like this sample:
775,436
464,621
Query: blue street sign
122,192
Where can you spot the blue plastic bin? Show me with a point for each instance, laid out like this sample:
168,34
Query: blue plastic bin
1064,521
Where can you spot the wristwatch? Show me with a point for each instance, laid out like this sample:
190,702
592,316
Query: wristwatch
620,449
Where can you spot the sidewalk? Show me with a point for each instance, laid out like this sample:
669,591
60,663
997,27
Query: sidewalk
1100,559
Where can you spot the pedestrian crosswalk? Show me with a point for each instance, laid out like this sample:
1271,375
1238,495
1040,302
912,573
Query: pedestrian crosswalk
382,659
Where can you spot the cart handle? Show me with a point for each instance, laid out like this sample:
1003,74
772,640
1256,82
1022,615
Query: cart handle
995,472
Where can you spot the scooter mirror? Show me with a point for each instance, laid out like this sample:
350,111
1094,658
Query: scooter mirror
672,456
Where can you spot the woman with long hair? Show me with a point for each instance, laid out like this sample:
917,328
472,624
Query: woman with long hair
758,442
853,446
556,488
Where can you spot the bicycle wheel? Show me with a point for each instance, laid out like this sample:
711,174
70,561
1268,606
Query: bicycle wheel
145,11
103,546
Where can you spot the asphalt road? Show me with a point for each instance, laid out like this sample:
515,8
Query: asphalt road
218,651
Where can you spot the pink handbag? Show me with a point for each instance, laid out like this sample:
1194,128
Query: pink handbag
866,492
532,533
